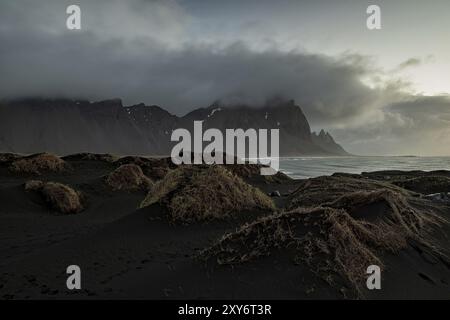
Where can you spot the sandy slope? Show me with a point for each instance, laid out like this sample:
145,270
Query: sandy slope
125,252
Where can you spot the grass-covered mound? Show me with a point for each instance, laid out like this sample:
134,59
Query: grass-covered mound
128,177
197,193
425,184
137,160
155,168
60,197
331,240
320,190
105,157
249,171
8,157
39,163
396,175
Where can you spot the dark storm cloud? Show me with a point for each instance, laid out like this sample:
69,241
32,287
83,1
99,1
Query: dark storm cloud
412,62
423,114
418,125
146,51
179,79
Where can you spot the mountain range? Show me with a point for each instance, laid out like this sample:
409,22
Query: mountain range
65,126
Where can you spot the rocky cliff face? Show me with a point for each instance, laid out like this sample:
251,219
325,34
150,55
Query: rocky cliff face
325,141
69,126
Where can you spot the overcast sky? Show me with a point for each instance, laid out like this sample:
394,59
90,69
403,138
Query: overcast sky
378,92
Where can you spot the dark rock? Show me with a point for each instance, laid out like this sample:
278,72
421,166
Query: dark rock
443,196
275,193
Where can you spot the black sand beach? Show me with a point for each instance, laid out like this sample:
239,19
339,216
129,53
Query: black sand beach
301,244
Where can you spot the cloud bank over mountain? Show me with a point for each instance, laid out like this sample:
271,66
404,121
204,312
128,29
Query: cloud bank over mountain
160,52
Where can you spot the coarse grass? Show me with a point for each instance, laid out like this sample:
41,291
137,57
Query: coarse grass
199,193
60,197
128,177
330,240
38,164
320,190
105,157
8,157
154,168
34,185
425,184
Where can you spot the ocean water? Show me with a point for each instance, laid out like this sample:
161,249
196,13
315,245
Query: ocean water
309,167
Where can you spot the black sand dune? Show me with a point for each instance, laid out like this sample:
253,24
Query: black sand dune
125,251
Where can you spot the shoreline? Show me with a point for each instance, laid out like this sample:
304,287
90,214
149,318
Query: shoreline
158,251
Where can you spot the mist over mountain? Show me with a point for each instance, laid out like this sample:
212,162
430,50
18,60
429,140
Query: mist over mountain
65,126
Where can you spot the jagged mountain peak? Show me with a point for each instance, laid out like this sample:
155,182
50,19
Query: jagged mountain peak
65,126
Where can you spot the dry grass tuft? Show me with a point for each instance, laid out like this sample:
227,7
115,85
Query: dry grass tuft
156,172
330,239
60,197
36,164
247,170
128,177
163,188
105,157
320,190
8,157
386,206
33,185
426,184
197,193
137,160
154,168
